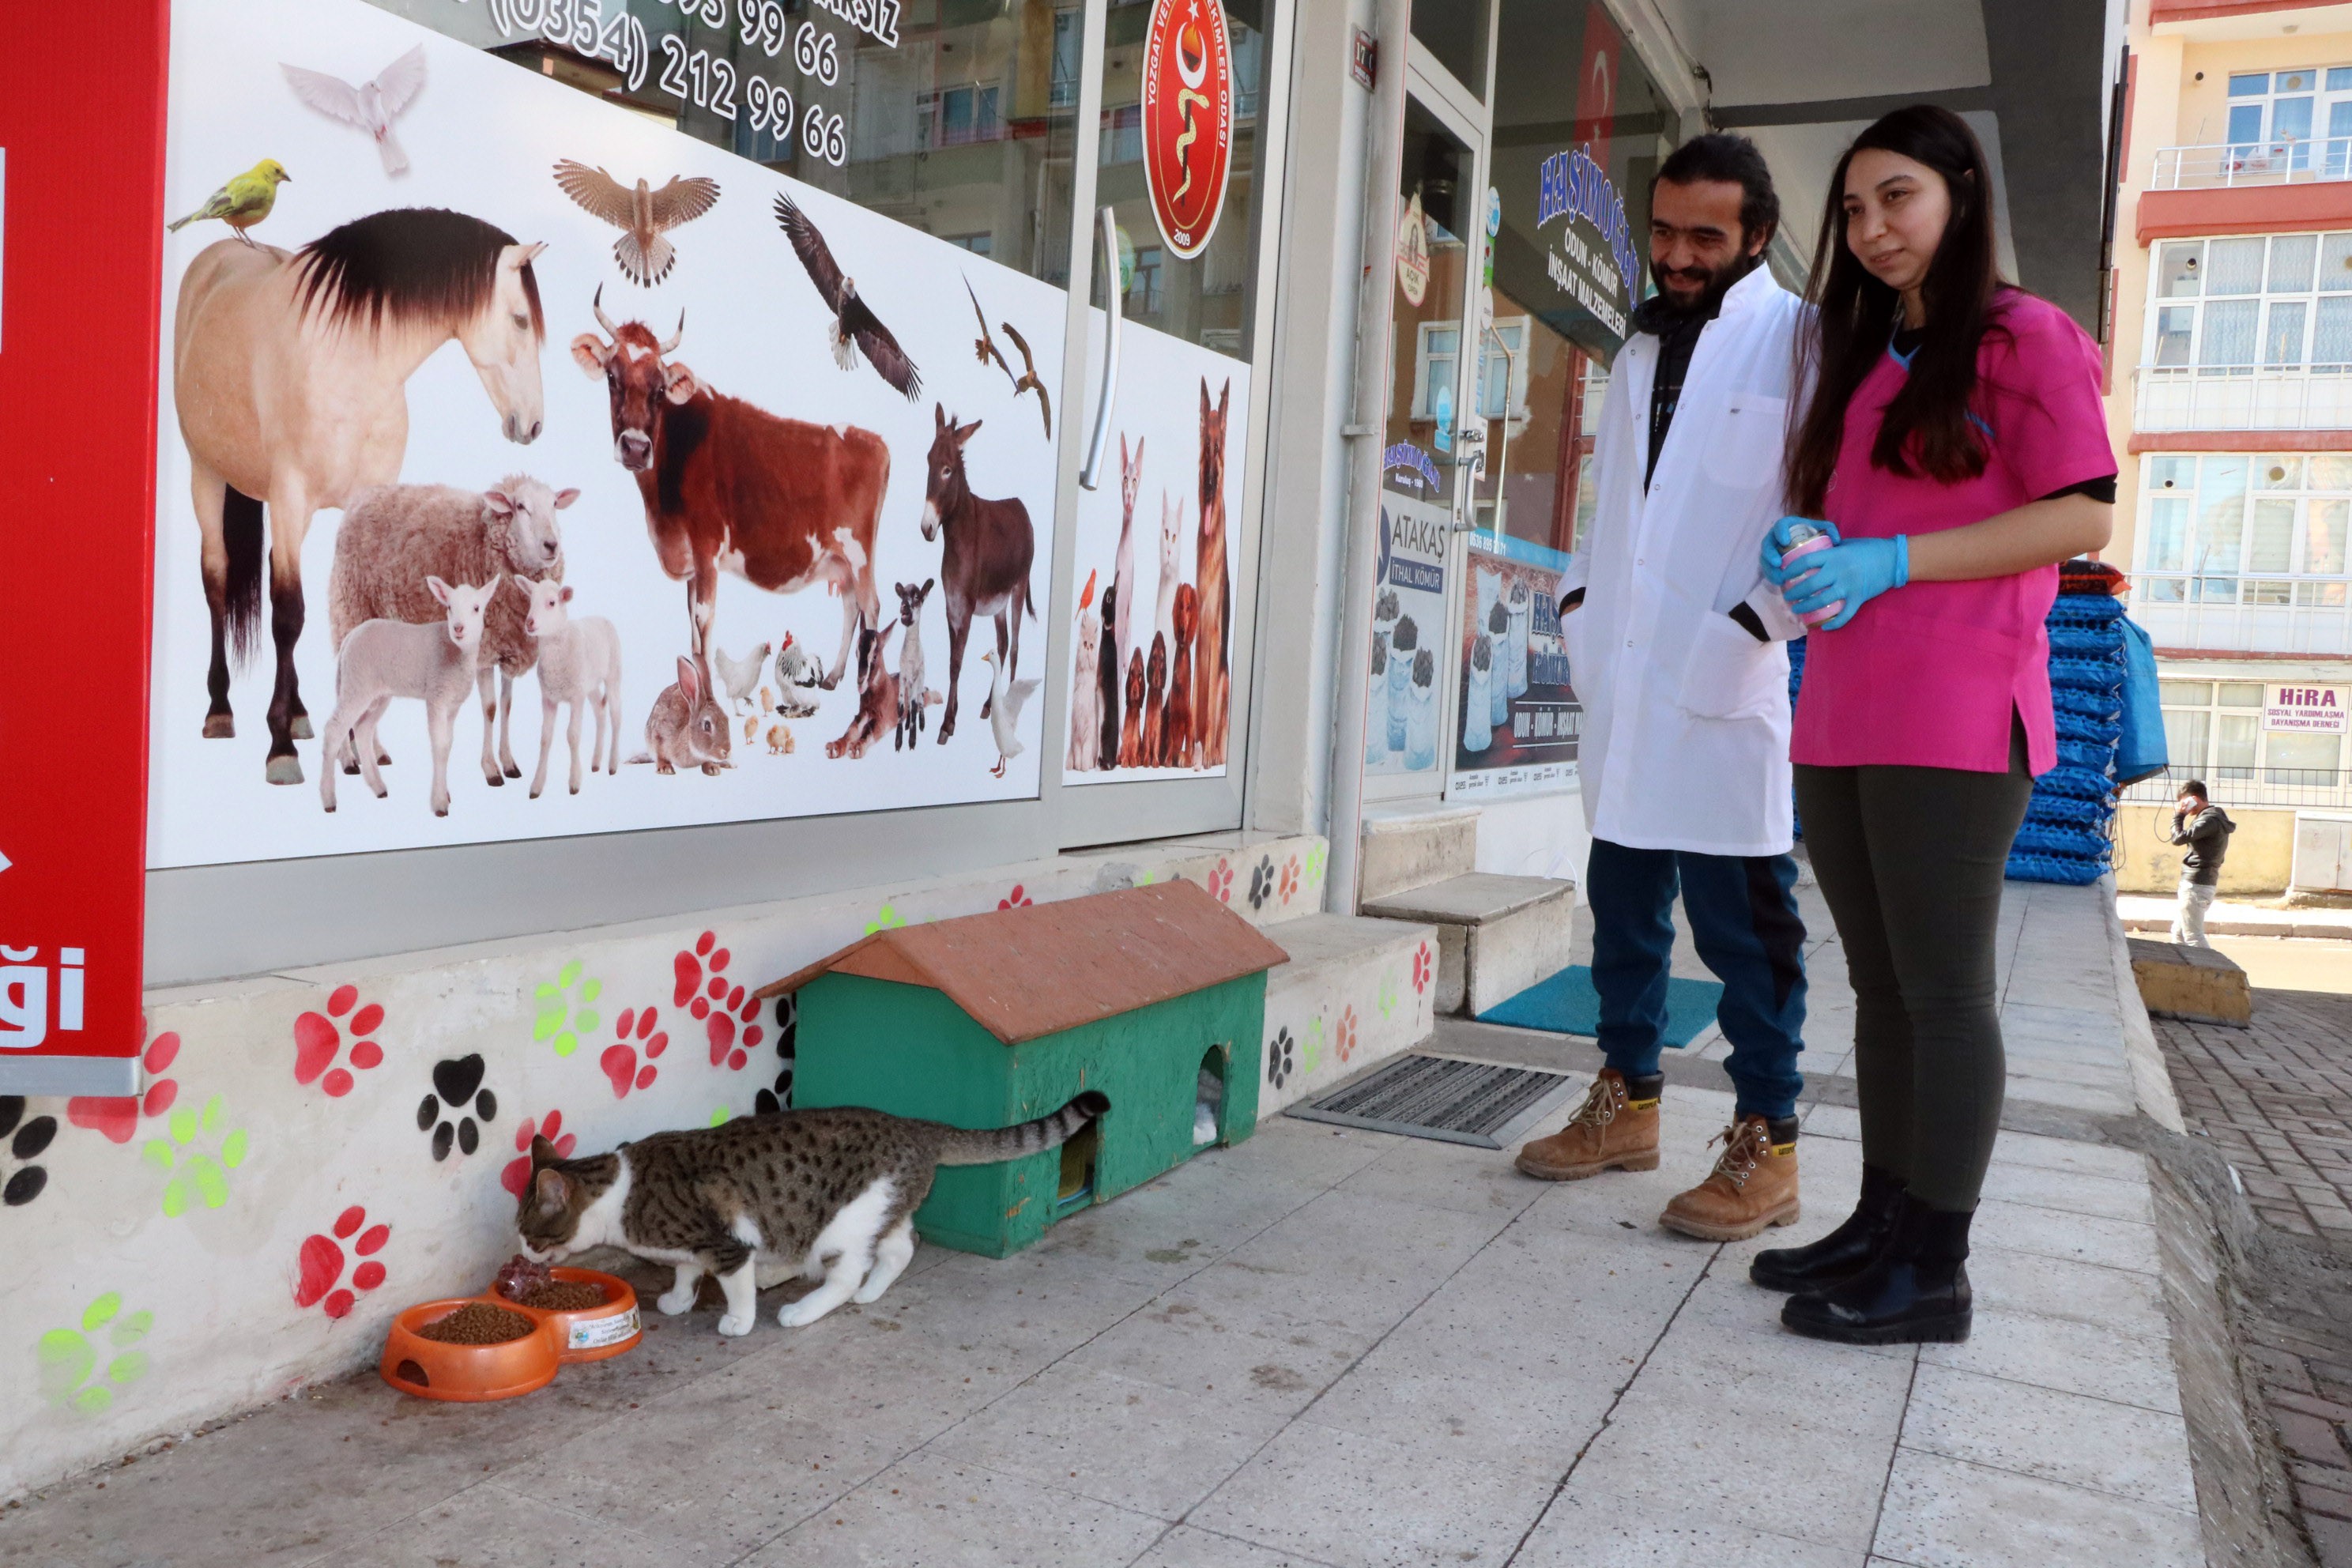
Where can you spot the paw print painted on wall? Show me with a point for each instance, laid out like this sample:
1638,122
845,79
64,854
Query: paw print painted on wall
117,1116
1316,856
1281,1056
565,1009
1343,1033
1386,998
1261,886
1421,968
788,1034
885,919
318,1267
191,1169
1290,878
26,1140
1310,1050
456,1091
1018,899
704,991
516,1176
319,1040
70,1374
1221,882
640,1031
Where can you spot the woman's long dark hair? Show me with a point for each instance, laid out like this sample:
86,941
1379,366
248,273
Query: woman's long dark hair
1926,428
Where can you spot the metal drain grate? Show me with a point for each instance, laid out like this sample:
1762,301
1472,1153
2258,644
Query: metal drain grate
1483,1104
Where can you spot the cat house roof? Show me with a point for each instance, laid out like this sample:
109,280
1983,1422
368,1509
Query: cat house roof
1023,974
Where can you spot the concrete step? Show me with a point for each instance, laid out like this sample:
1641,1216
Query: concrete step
2176,980
1411,849
1356,990
1267,878
1497,935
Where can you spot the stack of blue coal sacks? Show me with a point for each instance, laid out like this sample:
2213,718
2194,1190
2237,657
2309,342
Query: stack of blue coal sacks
2065,837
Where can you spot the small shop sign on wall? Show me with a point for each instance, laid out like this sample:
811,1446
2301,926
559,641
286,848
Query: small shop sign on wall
1188,121
2304,709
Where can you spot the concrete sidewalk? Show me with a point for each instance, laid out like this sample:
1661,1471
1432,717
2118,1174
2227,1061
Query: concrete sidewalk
1320,1347
2149,912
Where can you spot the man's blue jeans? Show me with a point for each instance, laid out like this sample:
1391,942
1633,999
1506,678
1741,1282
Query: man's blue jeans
1744,920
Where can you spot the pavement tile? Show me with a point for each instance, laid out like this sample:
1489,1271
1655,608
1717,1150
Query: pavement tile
2071,1191
1362,1502
1121,1440
1590,1529
2074,1358
2082,1238
1238,1333
1187,1547
2066,1437
1437,1174
1743,1466
493,1527
926,1511
1946,1513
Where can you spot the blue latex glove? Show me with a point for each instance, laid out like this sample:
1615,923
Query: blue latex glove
1778,543
1854,570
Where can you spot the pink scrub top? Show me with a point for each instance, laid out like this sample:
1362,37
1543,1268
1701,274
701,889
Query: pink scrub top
1927,675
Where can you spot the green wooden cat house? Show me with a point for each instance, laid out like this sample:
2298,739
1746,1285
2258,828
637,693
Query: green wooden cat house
1154,995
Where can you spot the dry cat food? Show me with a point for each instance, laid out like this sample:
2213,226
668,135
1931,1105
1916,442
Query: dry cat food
478,1323
563,1296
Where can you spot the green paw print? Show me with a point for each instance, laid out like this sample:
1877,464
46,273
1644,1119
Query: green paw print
1387,999
723,1115
1316,855
70,1374
1310,1050
1145,879
193,1172
885,919
563,1019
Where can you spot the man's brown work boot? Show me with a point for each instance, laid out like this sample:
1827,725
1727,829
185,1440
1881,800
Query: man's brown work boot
1753,1184
1616,1128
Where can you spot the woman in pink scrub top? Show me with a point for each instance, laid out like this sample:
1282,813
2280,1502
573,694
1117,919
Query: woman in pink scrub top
1956,448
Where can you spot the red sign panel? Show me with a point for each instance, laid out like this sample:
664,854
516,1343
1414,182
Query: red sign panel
1597,84
81,181
1188,120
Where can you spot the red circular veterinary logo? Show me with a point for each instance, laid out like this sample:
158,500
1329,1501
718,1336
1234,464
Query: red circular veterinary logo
1188,120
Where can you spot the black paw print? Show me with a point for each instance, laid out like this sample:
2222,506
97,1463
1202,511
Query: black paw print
31,1138
1262,883
1281,1056
455,1081
788,1030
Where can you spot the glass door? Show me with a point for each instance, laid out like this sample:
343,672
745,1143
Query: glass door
1161,576
1431,448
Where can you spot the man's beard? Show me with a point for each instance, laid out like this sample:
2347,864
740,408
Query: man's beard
1664,305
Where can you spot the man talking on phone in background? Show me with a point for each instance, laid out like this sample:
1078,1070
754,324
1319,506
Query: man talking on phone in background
1674,645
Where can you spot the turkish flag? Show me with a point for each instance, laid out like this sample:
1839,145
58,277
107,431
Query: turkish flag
1596,83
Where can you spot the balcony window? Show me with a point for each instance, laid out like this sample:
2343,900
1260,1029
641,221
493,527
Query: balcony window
2227,529
2249,333
2217,730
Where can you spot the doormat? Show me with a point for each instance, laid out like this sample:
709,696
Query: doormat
1483,1104
1566,1004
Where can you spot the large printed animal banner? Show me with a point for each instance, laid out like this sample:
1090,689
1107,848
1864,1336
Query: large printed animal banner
430,316
1153,639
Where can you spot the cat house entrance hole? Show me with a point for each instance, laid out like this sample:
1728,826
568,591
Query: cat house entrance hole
1079,1157
1209,1097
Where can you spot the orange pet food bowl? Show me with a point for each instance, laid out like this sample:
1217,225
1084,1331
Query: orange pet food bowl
432,1370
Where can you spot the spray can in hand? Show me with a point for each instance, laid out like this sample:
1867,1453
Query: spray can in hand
1810,541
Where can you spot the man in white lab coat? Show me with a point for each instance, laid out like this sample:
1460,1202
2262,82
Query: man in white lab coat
1676,645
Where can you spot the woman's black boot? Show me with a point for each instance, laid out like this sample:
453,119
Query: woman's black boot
1915,1290
1844,1252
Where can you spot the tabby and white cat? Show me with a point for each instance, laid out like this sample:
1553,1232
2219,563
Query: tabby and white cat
826,1194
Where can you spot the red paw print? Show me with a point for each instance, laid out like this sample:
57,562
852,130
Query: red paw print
317,1040
318,1280
1421,968
1343,1035
718,1001
1018,899
637,1031
516,1176
1221,883
117,1116
1289,878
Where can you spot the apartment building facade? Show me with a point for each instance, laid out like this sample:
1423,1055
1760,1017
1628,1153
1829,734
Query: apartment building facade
2231,406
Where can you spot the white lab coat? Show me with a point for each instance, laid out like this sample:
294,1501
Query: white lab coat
1686,741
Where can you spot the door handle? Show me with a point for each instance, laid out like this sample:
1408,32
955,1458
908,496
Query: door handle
1090,477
